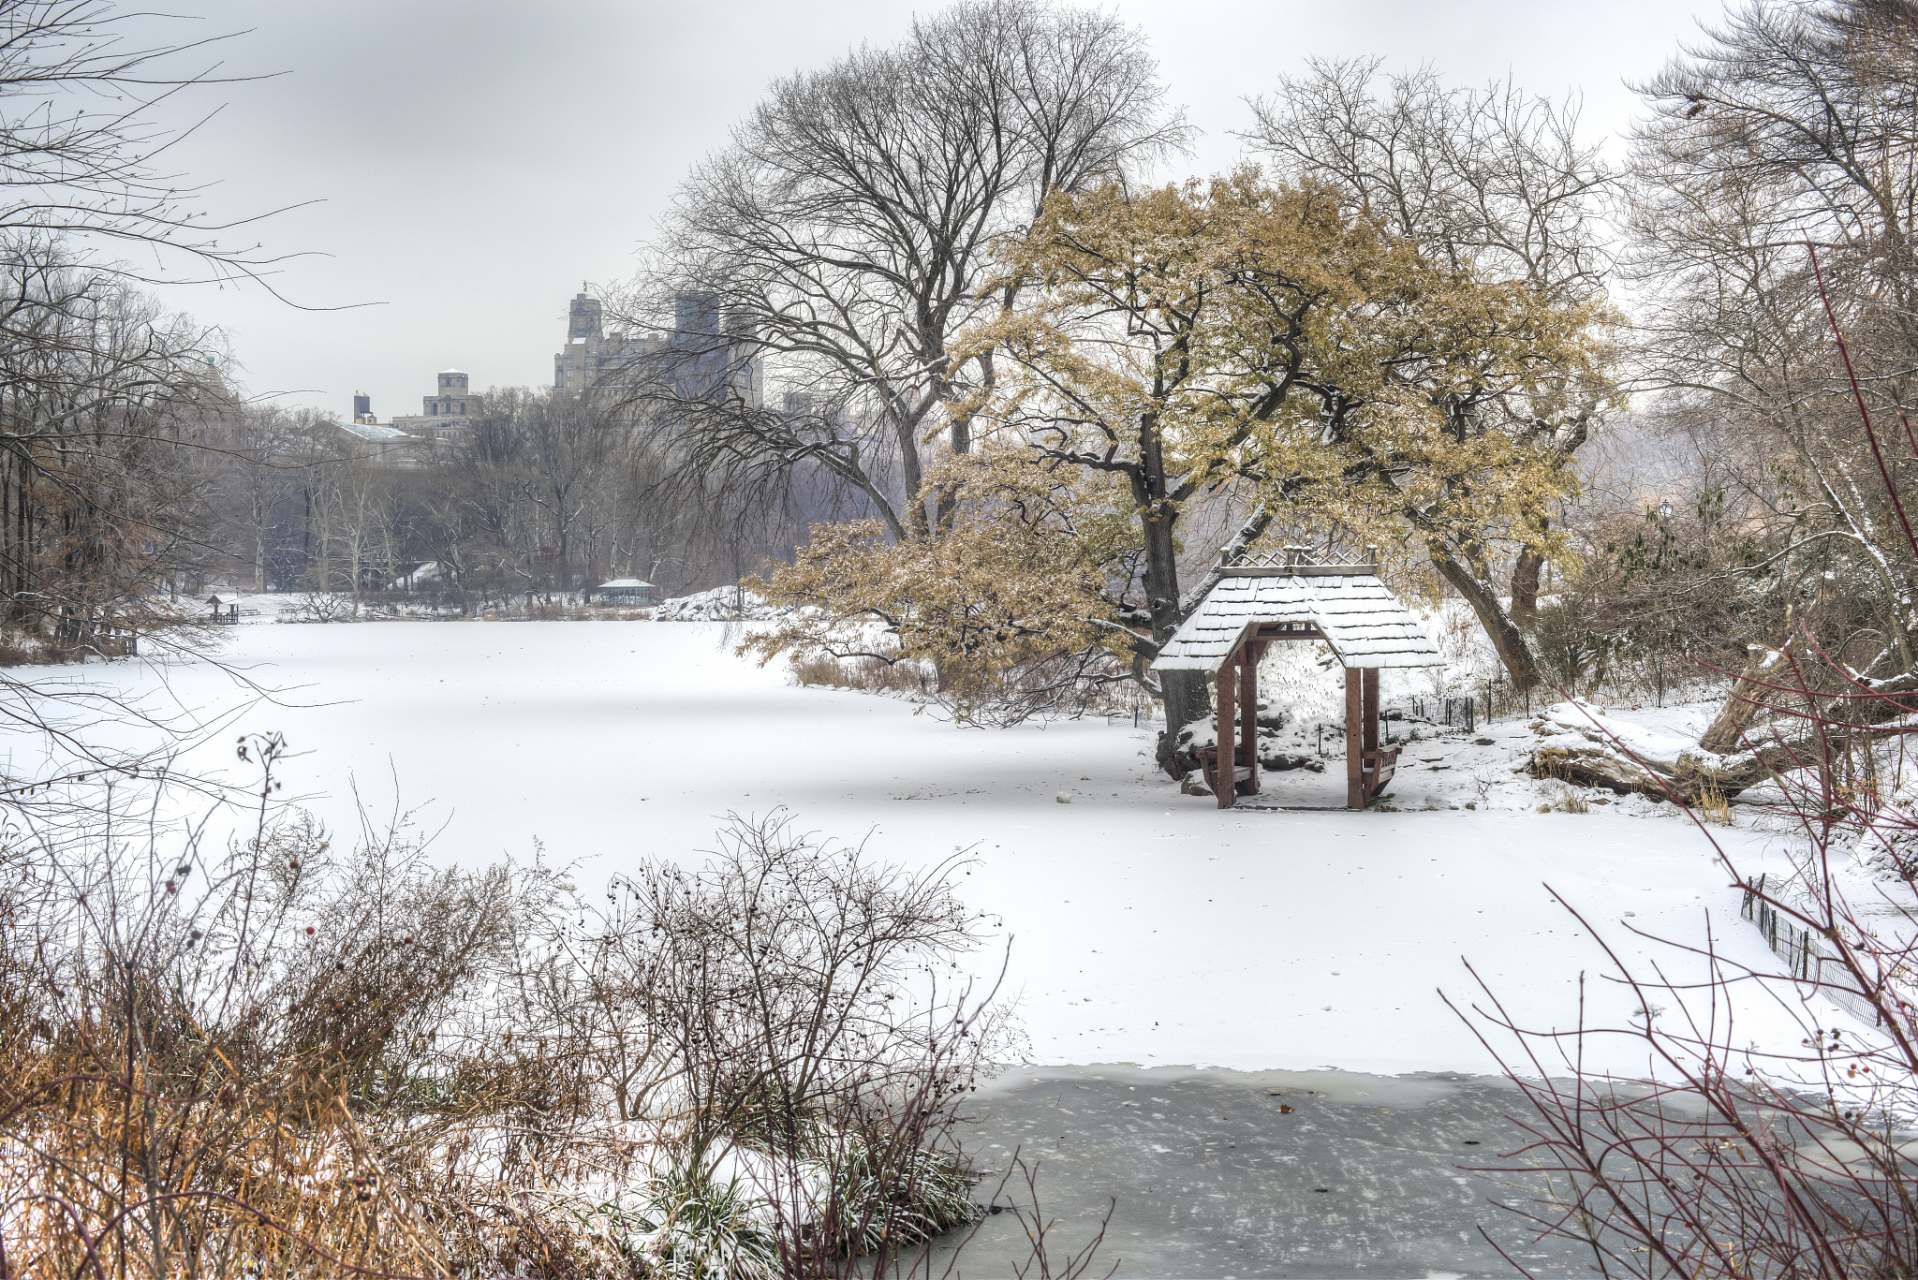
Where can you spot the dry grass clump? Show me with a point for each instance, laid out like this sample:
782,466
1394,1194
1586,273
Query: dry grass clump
867,674
17,650
290,1059
289,1067
1567,800
1714,807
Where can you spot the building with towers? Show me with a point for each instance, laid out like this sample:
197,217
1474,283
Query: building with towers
706,355
445,414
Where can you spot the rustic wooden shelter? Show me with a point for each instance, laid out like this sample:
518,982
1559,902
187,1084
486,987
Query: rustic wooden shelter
1287,596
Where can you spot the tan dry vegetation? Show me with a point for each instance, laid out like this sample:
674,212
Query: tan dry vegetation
290,1059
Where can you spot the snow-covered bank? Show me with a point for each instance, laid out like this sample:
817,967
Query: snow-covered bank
721,604
1147,927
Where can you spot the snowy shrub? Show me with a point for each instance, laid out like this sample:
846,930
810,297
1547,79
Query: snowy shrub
908,1199
348,1051
688,1224
721,604
792,996
704,1218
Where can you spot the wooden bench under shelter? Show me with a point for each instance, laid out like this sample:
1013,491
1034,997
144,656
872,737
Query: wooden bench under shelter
1286,595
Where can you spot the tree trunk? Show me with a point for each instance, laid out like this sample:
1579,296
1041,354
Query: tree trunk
1510,643
961,437
1525,578
1184,692
913,476
1187,699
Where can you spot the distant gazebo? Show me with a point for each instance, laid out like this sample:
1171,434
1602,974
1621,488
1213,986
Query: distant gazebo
1287,596
628,591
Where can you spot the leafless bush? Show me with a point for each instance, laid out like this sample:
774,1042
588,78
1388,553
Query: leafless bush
1730,1160
794,1019
320,606
287,1054
272,1055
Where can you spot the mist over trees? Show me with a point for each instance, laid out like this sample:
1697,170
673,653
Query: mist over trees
935,294
919,289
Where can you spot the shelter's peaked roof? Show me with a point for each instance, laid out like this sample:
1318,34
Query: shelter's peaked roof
1356,613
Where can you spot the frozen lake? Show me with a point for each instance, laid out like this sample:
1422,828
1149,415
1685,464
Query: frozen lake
1145,926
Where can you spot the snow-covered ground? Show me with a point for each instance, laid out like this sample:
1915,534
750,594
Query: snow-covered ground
1145,926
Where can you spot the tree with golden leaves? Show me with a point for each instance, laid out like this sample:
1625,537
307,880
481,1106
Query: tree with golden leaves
1244,333
1010,607
1177,341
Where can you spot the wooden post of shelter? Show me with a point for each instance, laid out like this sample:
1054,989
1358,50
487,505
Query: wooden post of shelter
1224,773
1354,730
1370,679
1248,752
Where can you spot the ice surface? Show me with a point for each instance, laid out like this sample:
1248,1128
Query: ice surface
1145,926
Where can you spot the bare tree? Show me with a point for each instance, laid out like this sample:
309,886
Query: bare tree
81,161
1490,181
834,250
572,450
106,401
1780,147
111,408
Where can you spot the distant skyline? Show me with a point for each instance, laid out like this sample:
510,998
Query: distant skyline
473,161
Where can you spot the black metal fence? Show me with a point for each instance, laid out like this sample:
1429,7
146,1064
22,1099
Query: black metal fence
1454,713
1805,958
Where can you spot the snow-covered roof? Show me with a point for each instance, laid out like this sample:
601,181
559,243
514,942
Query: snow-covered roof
1355,613
628,583
371,431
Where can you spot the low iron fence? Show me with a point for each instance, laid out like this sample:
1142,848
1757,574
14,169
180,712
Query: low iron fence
1455,713
1805,956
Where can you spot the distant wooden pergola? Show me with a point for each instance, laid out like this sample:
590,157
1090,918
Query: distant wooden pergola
1287,596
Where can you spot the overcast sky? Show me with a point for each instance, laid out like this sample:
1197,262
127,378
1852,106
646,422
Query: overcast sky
471,162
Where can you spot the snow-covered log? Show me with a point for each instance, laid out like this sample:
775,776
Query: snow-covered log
1594,766
1582,745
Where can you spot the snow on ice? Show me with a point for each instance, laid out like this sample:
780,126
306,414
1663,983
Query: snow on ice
1144,926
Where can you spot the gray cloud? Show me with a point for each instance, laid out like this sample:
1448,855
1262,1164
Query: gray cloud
476,161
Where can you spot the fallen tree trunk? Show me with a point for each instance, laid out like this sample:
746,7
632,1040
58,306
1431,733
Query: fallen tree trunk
1748,693
1686,780
1690,777
1587,749
1594,766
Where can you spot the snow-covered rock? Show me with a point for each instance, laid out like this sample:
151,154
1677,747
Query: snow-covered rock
721,604
428,576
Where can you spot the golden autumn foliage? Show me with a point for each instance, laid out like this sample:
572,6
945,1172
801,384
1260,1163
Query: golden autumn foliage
1010,605
1243,330
1170,343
